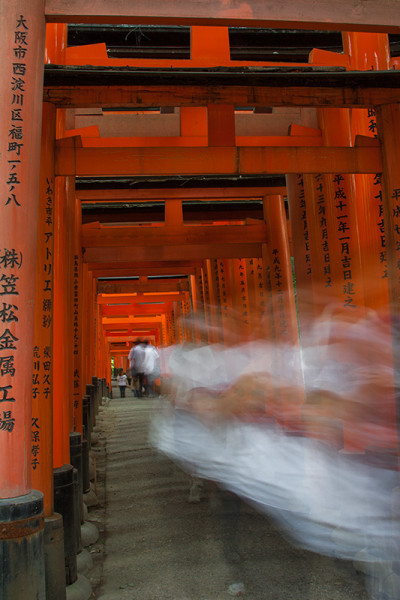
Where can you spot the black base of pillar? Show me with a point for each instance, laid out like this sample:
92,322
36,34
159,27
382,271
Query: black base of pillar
75,448
78,509
22,547
85,467
65,505
54,557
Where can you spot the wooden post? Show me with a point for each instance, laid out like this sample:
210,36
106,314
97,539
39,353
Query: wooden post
22,34
340,196
42,378
276,255
22,37
388,120
240,298
224,274
304,254
77,332
63,310
369,51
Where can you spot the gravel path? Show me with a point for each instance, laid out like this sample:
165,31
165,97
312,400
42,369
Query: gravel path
156,545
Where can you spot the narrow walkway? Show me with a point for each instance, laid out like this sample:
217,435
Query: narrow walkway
155,545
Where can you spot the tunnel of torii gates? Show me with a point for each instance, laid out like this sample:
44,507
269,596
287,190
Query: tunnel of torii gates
312,148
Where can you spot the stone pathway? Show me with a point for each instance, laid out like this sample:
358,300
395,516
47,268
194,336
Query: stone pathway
155,545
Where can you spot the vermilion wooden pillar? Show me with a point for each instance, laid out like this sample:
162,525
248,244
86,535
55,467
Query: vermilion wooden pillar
341,210
56,43
211,307
203,286
22,31
240,298
301,223
100,346
178,331
42,378
86,283
187,318
225,294
276,256
78,371
369,51
89,303
63,310
195,297
341,195
257,298
22,34
214,278
388,120
164,334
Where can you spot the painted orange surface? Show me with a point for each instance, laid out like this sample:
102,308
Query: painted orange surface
290,14
214,160
19,169
42,376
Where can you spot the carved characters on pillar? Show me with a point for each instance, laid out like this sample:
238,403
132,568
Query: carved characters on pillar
214,263
10,263
42,372
395,198
186,321
277,276
323,229
47,307
41,386
304,221
16,129
344,237
371,116
223,288
244,297
76,334
377,183
255,285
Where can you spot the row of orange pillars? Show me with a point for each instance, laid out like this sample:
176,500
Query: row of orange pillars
343,236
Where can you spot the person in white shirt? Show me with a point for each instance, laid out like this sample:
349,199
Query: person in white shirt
136,359
122,381
151,367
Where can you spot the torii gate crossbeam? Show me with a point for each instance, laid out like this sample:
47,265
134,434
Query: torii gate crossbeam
341,15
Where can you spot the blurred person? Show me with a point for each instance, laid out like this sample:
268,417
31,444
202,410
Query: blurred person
151,368
332,482
136,359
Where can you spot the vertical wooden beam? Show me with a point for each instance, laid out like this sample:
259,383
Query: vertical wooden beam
277,255
193,121
388,119
173,212
257,298
341,194
56,43
22,30
212,308
78,317
225,283
209,45
240,298
221,125
63,308
369,51
42,378
302,226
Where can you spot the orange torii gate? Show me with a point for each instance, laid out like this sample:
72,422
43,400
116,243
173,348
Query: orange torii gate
23,35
